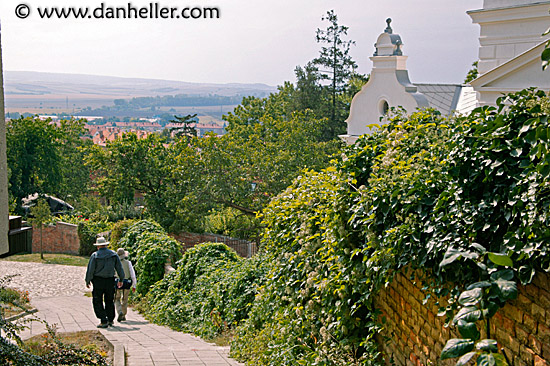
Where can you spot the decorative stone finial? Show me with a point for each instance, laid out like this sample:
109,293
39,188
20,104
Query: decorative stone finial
388,28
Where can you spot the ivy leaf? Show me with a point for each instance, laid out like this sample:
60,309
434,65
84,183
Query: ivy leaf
450,256
468,330
500,360
468,314
508,289
486,359
487,345
526,274
470,297
501,259
456,347
480,248
465,359
505,274
480,284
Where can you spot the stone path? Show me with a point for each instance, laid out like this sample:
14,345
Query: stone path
66,306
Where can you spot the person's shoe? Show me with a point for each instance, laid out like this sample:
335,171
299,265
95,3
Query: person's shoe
110,324
123,318
120,317
103,325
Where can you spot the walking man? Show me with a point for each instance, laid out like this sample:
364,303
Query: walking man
101,273
129,281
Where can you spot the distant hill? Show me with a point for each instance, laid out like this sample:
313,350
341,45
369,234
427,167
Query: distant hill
28,89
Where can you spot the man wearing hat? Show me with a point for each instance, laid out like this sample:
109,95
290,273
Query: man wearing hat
122,293
101,273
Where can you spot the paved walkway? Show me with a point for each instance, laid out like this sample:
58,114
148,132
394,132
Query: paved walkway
66,306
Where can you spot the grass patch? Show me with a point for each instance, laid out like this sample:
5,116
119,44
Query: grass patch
223,339
50,258
90,340
13,301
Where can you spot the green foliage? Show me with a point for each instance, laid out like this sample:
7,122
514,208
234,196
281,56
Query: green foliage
130,240
118,231
41,214
151,254
186,128
211,291
88,231
312,309
465,199
230,222
46,158
337,66
472,74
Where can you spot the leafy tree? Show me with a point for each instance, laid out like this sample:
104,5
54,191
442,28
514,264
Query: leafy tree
33,156
72,149
164,174
472,74
545,56
44,157
335,63
41,214
186,123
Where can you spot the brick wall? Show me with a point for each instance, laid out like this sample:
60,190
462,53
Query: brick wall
243,248
414,335
59,238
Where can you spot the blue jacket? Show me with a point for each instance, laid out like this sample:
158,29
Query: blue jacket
103,263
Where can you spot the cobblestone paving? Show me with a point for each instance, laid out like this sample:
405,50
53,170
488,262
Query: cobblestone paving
45,280
58,293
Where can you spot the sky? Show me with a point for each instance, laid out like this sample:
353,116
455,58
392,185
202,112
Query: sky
253,41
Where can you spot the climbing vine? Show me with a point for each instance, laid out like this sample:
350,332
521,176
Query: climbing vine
465,199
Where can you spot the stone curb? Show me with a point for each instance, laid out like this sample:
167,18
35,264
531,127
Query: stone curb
119,358
15,317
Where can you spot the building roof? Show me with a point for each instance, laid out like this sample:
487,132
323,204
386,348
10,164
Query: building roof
449,98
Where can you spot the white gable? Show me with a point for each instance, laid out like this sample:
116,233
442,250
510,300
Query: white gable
518,73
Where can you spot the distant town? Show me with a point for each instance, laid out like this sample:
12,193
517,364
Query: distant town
113,106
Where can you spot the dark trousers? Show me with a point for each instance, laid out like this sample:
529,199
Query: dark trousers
104,290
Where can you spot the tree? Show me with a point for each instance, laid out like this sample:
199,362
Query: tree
186,123
72,149
33,156
165,174
46,157
41,213
472,74
335,63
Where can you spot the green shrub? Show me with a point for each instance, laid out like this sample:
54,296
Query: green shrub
87,233
211,291
153,251
130,239
464,199
118,231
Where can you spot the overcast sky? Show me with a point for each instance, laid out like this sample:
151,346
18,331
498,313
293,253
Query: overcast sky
253,41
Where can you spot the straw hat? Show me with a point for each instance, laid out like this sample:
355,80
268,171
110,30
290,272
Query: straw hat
100,241
122,253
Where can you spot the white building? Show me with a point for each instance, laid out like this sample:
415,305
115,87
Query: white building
511,43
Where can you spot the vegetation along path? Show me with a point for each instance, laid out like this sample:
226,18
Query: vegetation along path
57,291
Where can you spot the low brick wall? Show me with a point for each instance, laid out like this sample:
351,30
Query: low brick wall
414,335
243,248
59,238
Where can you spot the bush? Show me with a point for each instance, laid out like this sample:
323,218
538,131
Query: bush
130,240
153,251
118,231
459,198
210,292
87,233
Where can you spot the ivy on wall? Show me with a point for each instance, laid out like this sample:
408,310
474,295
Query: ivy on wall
465,198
